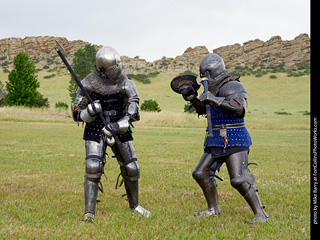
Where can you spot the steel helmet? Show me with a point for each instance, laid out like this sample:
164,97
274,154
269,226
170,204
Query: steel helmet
108,63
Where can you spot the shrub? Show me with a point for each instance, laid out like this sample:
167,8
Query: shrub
49,76
150,106
42,102
61,105
140,78
188,108
282,113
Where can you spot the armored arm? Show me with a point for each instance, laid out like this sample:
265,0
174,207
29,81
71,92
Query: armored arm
130,93
199,106
232,101
82,110
132,104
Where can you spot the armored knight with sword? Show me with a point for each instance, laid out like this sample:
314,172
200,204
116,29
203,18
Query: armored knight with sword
115,99
228,140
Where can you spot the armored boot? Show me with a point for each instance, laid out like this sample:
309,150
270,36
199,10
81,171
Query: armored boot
132,189
209,187
254,202
215,200
90,195
211,195
242,180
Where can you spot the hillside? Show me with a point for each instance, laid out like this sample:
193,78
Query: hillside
254,52
54,78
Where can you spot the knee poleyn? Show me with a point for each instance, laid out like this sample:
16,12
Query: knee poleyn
197,175
94,168
131,171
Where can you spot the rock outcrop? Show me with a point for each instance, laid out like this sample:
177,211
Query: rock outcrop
254,52
37,47
274,51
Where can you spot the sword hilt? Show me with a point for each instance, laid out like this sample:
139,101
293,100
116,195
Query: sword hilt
208,110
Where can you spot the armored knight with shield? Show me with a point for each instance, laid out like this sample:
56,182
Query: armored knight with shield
227,141
116,97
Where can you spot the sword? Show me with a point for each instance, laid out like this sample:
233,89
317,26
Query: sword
204,82
61,53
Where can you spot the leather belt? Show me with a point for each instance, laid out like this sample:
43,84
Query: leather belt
228,126
112,113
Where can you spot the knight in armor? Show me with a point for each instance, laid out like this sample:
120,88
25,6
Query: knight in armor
117,98
230,142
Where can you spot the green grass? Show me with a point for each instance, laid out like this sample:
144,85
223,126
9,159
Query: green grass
42,167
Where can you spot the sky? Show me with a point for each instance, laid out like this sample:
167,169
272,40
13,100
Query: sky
152,29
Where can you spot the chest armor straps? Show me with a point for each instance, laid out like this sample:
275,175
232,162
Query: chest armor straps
113,110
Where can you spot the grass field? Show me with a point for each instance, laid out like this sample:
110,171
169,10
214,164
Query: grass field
42,167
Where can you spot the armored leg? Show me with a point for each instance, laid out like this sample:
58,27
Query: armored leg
130,172
242,180
94,169
209,187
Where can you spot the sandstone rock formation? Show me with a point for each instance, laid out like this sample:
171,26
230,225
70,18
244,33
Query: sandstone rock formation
37,47
273,51
254,52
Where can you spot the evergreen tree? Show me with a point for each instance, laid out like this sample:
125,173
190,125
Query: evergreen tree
83,64
22,83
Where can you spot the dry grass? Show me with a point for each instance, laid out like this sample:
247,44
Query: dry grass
42,168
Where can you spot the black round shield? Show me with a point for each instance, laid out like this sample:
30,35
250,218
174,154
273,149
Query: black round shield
184,83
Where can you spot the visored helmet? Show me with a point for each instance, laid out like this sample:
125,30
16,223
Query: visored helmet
213,65
108,63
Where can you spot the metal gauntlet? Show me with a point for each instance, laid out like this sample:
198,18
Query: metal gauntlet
89,114
123,124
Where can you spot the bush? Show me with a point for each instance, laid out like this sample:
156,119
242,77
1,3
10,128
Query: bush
61,105
3,93
140,78
188,109
150,106
42,102
282,113
49,76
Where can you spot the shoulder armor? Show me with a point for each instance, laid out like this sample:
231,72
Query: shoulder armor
233,89
81,99
130,91
86,83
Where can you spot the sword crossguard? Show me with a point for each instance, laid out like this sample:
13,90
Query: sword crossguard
200,80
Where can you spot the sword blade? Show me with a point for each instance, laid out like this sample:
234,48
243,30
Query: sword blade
60,48
60,51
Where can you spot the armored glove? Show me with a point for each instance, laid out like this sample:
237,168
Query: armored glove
113,128
189,94
97,108
191,97
209,98
88,114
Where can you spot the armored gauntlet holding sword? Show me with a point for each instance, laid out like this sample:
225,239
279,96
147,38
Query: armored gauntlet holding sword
108,102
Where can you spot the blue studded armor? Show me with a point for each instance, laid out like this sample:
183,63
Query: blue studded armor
230,142
237,133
